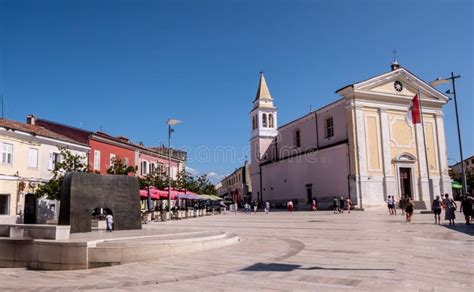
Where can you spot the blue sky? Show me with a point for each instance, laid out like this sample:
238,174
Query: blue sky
127,66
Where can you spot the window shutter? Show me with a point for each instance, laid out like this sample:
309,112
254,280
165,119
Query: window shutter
50,161
32,158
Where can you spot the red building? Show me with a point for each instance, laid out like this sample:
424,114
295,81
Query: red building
104,148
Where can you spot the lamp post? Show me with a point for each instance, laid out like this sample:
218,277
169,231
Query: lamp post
452,79
170,122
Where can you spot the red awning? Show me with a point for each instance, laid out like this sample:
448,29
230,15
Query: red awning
154,193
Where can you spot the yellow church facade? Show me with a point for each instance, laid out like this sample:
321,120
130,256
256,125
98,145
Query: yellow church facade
388,154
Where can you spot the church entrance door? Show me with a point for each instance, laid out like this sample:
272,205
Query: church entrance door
405,182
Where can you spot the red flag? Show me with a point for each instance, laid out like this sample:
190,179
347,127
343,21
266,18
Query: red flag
413,114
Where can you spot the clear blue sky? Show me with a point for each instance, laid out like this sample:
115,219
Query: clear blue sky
129,65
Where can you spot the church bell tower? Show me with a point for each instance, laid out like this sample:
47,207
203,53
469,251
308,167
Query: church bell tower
263,118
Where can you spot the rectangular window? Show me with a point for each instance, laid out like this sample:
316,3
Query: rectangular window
111,159
33,158
7,153
4,204
298,138
152,168
53,159
144,168
329,128
97,160
125,161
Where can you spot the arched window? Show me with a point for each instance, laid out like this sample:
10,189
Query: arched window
270,120
264,120
254,122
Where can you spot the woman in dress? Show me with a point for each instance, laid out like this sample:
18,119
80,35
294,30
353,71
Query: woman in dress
449,209
348,204
409,209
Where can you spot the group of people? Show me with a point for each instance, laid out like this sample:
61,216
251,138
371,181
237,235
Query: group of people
450,207
448,204
339,204
250,206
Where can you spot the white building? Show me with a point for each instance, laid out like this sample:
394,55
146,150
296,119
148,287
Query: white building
360,145
236,186
27,158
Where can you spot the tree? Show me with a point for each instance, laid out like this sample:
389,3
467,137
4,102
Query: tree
119,167
158,179
184,181
68,163
204,185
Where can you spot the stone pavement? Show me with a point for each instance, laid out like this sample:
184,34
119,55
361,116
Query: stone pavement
301,251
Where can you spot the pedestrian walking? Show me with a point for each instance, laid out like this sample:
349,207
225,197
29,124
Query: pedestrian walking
394,205
290,206
402,204
247,208
109,220
236,206
449,209
267,207
436,207
341,204
223,207
390,205
313,205
348,204
335,205
254,206
409,209
466,208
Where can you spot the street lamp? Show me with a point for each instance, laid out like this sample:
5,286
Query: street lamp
452,79
170,122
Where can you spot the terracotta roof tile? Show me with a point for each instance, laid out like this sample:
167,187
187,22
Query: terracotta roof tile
34,130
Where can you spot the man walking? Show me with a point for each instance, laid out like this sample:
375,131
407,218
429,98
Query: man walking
109,220
335,205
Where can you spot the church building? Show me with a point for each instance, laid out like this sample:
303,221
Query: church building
360,145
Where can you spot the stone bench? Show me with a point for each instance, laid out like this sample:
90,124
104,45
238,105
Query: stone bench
35,231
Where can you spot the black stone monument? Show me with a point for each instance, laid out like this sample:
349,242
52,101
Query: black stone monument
83,192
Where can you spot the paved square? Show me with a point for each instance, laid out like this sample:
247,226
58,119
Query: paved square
368,250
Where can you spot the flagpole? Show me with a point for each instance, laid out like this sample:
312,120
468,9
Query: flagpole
424,144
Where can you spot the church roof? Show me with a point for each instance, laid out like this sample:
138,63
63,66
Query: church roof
262,91
400,71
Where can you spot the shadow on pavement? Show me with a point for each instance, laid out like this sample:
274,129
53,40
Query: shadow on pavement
274,267
461,227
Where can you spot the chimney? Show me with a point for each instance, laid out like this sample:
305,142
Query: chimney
31,119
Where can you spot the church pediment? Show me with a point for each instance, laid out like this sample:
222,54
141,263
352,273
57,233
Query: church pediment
398,83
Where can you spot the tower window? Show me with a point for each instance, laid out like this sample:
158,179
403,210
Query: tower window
253,123
329,128
298,138
270,120
264,120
